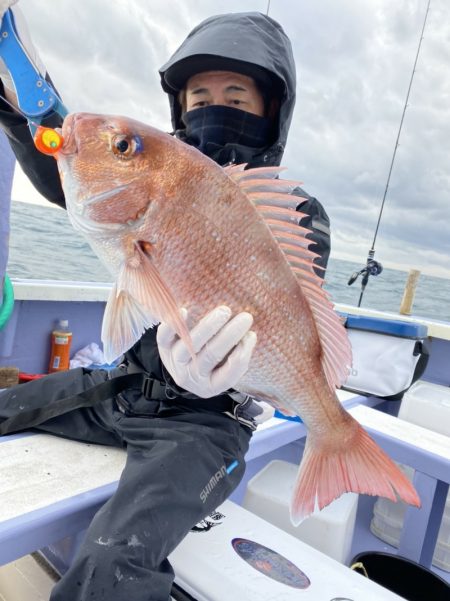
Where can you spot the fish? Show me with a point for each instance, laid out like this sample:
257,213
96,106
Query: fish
179,232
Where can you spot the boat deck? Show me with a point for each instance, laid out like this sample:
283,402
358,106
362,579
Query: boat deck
54,486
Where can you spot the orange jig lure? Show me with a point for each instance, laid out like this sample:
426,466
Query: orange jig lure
48,140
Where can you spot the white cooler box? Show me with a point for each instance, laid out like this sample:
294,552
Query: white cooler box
236,556
427,405
330,530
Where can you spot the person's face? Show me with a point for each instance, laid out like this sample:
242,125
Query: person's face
223,88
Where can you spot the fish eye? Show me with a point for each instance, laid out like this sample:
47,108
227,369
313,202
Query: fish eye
124,147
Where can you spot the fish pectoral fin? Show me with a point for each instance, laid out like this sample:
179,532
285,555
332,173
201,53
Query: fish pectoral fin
124,322
141,280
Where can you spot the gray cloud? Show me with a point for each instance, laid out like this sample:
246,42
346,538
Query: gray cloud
354,64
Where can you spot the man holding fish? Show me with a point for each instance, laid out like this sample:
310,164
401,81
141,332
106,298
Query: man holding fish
235,110
219,259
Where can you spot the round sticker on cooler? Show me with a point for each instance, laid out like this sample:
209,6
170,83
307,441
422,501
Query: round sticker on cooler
270,563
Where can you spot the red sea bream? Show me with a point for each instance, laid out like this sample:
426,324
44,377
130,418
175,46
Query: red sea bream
178,231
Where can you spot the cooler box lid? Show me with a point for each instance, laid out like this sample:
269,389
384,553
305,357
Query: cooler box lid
234,554
390,327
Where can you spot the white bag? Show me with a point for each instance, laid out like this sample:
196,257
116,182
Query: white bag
385,365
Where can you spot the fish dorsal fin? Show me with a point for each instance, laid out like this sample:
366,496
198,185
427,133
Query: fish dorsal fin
273,199
239,173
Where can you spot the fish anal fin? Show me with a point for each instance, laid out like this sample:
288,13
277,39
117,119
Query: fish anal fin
359,465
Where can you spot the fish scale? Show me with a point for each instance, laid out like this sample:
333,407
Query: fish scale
177,230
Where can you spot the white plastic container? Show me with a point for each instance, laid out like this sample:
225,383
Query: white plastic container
387,523
330,530
441,555
427,405
276,567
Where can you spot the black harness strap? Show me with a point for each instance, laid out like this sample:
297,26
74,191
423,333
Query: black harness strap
29,418
151,388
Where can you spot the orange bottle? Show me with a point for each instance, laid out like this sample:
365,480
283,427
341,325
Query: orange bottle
60,351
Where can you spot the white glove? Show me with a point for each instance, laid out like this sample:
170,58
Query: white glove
216,337
24,37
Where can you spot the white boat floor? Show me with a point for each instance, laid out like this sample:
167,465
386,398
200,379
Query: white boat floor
25,580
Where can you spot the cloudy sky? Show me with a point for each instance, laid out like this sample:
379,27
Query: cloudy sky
354,60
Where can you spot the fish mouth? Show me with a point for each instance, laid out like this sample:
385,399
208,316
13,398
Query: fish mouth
68,133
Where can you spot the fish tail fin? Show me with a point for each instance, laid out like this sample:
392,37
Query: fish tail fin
357,465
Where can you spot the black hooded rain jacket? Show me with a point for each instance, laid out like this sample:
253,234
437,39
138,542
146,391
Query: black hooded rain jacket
255,45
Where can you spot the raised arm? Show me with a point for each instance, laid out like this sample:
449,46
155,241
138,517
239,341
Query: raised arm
39,168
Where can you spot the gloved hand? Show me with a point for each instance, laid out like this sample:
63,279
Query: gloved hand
216,337
24,37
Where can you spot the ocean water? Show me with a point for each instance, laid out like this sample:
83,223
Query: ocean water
43,245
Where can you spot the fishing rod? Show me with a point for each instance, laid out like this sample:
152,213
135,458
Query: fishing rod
373,267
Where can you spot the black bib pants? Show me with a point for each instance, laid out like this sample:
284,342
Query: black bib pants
172,453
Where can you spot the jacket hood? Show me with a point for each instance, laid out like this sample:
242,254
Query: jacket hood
250,43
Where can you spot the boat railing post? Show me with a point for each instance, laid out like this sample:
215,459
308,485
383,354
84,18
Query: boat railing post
409,292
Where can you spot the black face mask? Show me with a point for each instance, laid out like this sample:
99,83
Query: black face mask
211,128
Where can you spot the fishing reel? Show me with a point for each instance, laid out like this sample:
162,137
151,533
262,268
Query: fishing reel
372,268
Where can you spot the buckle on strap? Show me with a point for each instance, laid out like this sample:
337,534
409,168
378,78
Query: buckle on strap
153,389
